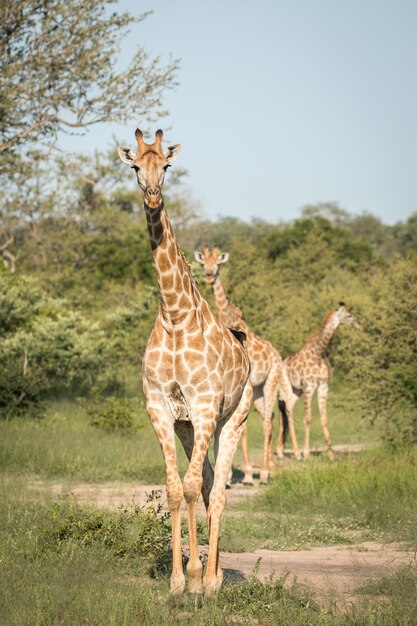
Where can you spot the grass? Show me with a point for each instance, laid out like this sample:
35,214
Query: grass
63,564
372,495
65,446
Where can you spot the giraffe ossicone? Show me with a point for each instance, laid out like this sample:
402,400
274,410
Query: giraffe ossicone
195,376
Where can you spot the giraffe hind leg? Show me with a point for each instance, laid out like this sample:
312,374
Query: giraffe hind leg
226,440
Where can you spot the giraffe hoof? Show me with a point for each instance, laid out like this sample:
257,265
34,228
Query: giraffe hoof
195,587
264,478
176,588
331,455
212,586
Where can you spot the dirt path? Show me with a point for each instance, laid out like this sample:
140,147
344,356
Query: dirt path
338,568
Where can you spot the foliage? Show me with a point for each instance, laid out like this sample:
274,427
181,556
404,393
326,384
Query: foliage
142,532
383,372
44,346
111,413
81,83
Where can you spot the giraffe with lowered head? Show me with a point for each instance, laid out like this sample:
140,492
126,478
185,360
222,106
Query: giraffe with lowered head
268,376
195,377
309,372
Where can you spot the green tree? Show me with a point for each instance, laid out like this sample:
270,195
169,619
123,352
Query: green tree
60,70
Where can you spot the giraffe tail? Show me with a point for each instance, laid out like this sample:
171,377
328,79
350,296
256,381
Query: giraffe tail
284,417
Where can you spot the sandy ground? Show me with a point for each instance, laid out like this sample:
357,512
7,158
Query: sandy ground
340,569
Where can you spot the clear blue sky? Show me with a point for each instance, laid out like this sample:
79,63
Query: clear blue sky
282,103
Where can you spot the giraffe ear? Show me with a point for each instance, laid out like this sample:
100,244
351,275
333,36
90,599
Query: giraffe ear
172,152
223,257
127,155
199,257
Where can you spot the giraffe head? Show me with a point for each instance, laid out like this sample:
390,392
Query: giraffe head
150,162
211,262
344,316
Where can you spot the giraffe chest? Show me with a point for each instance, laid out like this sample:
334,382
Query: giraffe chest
189,374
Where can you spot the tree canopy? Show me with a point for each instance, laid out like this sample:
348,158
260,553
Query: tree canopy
60,69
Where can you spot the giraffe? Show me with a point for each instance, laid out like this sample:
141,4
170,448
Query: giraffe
195,376
267,376
309,372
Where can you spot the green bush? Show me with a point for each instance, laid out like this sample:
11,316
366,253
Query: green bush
112,413
45,348
135,532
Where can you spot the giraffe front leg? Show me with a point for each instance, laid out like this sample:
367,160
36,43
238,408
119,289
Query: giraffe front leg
165,432
204,426
227,439
322,400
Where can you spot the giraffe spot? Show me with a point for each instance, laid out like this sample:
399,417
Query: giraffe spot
163,261
167,281
196,342
194,360
172,252
185,302
171,298
152,358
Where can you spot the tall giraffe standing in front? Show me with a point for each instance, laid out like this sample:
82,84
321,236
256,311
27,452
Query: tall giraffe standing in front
268,376
309,372
195,378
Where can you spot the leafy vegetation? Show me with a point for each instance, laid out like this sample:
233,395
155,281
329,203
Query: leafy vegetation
368,496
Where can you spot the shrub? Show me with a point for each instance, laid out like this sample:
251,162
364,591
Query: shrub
135,532
44,347
111,413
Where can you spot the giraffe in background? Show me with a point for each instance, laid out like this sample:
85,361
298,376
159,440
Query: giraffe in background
309,372
268,376
195,378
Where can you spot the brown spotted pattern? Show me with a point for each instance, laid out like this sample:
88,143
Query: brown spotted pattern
309,372
195,378
268,376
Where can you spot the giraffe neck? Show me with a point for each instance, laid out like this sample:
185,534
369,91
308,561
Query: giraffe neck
228,313
177,288
324,337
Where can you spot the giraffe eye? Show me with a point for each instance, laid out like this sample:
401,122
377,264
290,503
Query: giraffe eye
135,167
166,167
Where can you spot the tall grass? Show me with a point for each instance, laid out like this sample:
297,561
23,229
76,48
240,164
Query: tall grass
366,496
64,445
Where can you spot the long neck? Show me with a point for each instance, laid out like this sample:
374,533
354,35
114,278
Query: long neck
228,313
177,288
323,338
